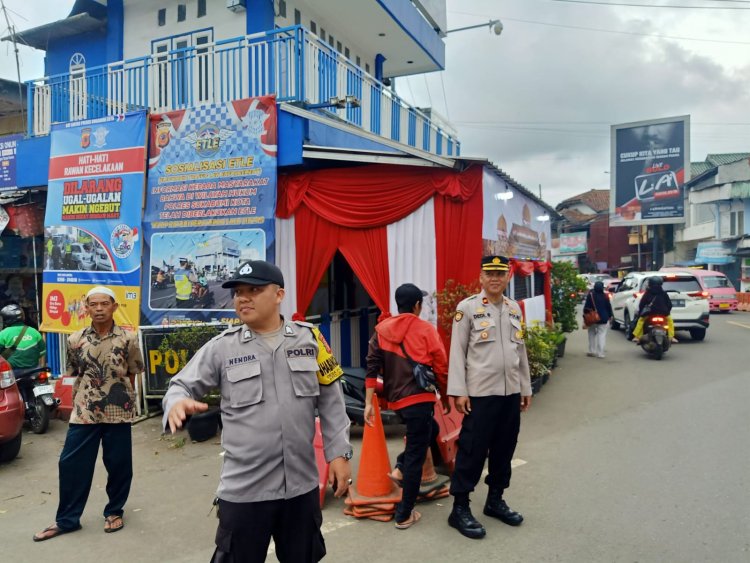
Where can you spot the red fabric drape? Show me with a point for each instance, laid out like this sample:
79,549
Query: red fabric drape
366,250
348,209
370,196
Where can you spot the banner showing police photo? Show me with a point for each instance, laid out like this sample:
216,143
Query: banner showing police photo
650,165
516,227
92,226
210,205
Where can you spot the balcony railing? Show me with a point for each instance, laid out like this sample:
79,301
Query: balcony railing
292,63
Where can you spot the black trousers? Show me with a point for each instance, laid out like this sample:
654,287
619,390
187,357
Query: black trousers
245,530
421,430
77,462
489,431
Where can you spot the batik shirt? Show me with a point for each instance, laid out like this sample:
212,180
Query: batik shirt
102,392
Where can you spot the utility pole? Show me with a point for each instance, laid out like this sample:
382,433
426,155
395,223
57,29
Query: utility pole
12,31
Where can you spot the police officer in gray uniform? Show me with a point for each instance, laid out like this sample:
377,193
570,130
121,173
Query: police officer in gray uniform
271,382
488,374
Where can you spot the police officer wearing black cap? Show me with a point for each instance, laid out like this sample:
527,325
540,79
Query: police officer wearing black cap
272,374
488,374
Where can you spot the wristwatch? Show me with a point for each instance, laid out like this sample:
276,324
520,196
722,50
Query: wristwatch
349,454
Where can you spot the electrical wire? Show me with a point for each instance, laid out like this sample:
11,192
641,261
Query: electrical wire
669,6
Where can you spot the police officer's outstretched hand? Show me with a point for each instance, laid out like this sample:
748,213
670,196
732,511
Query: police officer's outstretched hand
340,476
180,411
463,405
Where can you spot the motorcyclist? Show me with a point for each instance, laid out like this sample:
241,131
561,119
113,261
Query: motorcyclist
202,284
655,301
22,345
160,279
184,278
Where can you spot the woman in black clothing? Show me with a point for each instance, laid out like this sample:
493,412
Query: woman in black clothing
599,301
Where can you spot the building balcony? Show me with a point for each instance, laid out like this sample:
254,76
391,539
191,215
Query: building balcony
292,63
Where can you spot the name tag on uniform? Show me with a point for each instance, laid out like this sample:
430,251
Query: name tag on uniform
239,360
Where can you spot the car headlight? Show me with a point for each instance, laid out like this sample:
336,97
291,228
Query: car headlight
731,296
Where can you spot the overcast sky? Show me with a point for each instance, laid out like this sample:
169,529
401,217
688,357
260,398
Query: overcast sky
539,99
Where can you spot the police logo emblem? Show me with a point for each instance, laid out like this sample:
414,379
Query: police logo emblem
484,335
247,269
459,316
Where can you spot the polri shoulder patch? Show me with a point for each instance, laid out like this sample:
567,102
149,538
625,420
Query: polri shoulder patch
329,369
458,316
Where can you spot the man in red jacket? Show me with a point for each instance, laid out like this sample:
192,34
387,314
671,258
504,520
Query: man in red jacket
414,405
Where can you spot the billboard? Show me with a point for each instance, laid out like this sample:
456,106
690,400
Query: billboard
92,225
8,146
650,164
210,205
517,228
573,243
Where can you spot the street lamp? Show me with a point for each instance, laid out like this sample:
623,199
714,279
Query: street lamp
495,25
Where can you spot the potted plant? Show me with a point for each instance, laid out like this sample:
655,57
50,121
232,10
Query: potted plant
558,339
540,353
566,290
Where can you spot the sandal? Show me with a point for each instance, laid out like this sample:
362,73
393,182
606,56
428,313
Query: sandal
410,521
56,531
109,524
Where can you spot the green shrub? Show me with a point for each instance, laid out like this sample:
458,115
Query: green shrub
566,290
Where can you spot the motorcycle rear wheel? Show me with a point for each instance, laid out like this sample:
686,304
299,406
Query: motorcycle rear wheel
39,417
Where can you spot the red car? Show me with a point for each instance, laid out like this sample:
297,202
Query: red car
11,413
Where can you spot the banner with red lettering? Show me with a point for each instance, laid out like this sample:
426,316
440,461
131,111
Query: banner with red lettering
92,233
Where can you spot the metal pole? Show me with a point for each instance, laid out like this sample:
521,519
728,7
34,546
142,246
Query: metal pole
654,250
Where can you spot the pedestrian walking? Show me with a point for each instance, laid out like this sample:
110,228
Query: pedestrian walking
488,374
103,358
598,301
273,374
397,342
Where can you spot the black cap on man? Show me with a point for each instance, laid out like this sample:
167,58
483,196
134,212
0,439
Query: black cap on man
256,272
495,264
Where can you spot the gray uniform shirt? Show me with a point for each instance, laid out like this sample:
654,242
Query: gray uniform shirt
488,352
268,401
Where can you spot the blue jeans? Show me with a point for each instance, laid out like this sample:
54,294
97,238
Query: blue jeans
77,462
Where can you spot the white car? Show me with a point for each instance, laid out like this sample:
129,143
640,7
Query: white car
101,258
690,308
82,258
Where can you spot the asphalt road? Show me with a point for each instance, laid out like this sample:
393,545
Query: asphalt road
164,298
621,459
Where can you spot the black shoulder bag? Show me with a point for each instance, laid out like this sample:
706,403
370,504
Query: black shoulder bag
423,374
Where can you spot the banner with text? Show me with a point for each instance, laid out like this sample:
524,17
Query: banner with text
8,146
210,205
93,218
650,165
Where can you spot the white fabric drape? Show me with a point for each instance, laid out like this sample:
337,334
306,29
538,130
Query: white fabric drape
534,310
411,256
286,259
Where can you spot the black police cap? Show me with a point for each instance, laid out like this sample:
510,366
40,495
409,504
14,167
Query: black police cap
495,263
256,272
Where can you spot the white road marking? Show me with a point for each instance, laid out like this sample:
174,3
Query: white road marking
515,462
326,528
738,324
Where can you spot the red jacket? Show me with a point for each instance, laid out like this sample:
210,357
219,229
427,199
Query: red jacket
386,358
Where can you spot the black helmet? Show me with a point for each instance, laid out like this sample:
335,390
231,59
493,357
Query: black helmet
11,314
655,282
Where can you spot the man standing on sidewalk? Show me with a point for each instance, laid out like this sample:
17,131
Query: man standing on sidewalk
103,358
489,376
397,342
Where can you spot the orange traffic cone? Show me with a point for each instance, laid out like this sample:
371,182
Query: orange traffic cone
373,485
429,475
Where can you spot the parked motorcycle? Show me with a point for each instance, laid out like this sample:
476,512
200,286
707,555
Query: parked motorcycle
38,397
655,340
353,386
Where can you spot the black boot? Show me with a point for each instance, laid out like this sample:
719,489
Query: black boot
497,508
463,520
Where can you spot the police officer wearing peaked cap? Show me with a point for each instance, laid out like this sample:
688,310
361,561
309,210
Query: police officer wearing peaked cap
272,374
488,374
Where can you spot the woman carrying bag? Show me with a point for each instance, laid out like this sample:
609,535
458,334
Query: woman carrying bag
597,312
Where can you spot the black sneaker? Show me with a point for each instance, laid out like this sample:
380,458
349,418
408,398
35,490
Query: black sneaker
463,520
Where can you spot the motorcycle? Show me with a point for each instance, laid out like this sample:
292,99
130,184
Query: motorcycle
353,386
655,340
203,301
38,397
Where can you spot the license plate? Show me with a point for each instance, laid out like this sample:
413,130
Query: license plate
43,390
723,305
678,302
